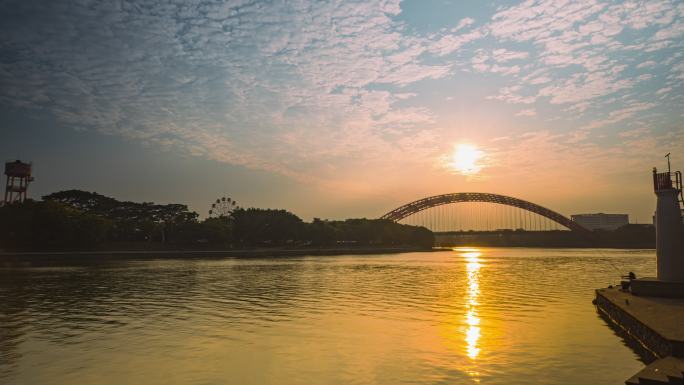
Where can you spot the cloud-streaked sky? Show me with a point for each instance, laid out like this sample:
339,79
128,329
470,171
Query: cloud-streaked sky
344,108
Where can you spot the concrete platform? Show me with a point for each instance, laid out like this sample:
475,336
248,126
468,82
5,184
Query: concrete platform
668,370
653,326
652,287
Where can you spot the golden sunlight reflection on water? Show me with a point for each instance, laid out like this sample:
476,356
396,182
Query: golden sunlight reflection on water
472,331
468,315
472,320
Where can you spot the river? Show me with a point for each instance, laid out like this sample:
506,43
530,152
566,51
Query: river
470,315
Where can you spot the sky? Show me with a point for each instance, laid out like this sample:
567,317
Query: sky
338,109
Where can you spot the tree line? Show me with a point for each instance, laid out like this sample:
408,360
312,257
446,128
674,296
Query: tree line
76,219
627,236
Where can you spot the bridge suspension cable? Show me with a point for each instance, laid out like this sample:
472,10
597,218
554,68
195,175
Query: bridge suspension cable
479,216
480,212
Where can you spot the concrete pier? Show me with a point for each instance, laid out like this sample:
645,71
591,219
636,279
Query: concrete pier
649,312
654,326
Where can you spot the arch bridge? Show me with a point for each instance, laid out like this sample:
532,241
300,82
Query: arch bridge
438,200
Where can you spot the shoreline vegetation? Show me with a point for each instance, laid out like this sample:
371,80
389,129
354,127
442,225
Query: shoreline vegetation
13,258
86,223
75,220
631,236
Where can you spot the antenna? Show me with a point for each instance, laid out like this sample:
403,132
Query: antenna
668,162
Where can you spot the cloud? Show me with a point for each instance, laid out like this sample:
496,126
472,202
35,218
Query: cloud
527,112
465,22
503,55
450,43
647,64
511,95
663,90
283,87
494,61
620,115
586,86
586,163
635,133
580,53
301,88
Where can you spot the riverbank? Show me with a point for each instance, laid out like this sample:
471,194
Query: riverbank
8,257
627,237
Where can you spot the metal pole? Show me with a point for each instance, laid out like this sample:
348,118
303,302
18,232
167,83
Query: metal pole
668,162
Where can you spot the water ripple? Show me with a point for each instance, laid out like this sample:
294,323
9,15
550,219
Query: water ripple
496,316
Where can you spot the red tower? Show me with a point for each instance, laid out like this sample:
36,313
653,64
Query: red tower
18,177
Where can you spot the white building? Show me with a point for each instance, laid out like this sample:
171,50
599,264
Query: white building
601,221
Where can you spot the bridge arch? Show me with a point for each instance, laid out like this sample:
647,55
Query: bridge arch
421,204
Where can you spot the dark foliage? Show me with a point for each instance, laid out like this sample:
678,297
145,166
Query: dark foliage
104,206
132,221
628,236
368,232
50,225
255,227
267,226
77,219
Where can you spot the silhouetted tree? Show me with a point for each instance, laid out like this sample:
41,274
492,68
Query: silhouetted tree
132,221
265,226
322,233
367,232
50,225
77,219
217,231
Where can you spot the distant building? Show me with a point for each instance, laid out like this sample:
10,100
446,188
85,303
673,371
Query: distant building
601,221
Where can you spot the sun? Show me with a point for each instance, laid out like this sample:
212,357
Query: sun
465,159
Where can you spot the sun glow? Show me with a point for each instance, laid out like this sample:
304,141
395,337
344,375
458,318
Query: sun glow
466,159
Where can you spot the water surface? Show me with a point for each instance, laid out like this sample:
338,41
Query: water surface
488,316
